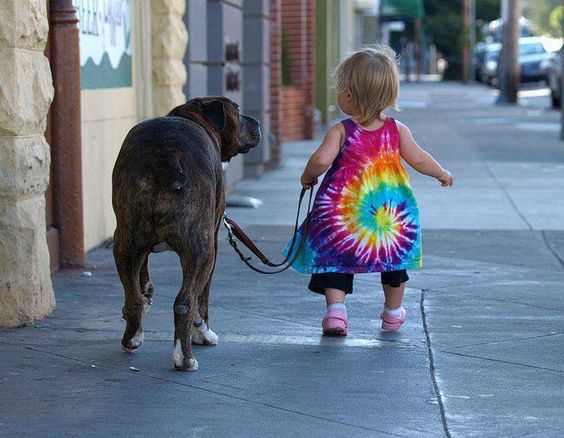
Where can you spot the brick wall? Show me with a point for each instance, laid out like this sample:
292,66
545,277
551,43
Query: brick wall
292,113
298,25
275,81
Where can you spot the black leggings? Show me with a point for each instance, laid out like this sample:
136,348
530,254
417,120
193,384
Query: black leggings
344,282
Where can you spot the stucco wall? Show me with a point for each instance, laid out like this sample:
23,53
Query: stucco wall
107,116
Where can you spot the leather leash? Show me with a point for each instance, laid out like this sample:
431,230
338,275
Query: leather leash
234,231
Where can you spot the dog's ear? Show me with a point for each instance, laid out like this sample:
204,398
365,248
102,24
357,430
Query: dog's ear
214,112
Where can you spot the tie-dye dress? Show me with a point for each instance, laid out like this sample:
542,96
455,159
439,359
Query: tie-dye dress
365,216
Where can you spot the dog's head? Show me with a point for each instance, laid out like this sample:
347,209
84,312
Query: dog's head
238,133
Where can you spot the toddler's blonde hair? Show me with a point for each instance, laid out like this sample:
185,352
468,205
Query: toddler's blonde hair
372,77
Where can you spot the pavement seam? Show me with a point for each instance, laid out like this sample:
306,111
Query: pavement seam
501,341
211,391
432,368
501,361
483,298
507,195
550,248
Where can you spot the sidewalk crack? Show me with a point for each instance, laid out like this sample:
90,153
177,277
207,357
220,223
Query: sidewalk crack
507,195
551,249
432,368
502,361
501,341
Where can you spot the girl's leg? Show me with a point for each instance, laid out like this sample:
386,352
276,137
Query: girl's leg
393,284
394,295
335,287
334,296
393,314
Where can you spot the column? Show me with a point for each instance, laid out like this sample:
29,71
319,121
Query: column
26,91
170,39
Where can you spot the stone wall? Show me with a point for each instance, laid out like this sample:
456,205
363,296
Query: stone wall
26,91
169,41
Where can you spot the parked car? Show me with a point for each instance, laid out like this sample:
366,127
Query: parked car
488,68
553,68
532,59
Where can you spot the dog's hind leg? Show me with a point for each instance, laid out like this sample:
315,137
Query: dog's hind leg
196,267
129,258
146,285
200,330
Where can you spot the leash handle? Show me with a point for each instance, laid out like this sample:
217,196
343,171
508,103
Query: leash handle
235,231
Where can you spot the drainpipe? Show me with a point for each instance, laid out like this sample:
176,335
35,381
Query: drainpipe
66,153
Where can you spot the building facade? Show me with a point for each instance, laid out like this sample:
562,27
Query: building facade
107,65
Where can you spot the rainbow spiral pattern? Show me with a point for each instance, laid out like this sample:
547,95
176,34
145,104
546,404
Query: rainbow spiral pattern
365,216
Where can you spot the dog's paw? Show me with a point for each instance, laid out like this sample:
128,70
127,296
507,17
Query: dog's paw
180,362
147,302
147,296
203,335
134,343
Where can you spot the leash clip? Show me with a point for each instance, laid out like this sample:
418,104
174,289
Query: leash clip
227,224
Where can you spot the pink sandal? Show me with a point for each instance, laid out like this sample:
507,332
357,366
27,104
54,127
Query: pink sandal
335,324
392,323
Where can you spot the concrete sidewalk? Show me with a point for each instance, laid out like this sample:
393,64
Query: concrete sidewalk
480,355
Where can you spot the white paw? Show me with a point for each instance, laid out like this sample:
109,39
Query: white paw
147,304
179,361
135,342
203,335
147,299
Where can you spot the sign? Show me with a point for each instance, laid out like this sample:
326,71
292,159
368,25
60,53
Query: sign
105,43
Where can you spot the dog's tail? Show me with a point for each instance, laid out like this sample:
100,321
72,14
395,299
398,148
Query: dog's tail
170,175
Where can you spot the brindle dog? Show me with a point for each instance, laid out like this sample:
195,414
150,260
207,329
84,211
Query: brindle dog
168,194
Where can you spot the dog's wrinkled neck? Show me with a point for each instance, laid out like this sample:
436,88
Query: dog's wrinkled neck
208,127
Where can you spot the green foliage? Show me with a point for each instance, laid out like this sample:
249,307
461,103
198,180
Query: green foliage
286,61
443,23
488,10
557,21
540,13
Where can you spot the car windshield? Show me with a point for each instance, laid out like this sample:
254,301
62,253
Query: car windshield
531,49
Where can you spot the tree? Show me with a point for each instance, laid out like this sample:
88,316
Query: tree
540,12
443,23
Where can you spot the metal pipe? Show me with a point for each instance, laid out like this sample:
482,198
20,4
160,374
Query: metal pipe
65,123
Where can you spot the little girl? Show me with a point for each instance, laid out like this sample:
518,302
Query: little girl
365,217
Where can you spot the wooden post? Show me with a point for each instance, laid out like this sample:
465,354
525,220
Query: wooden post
65,131
509,72
417,31
466,14
561,95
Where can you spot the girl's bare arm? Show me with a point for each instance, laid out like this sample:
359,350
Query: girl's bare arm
324,156
421,160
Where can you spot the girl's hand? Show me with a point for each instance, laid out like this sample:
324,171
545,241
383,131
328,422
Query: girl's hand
446,179
307,184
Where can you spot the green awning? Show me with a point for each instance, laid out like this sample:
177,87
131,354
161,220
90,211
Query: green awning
401,9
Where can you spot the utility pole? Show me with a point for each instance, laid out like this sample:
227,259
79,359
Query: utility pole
466,48
508,71
561,95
